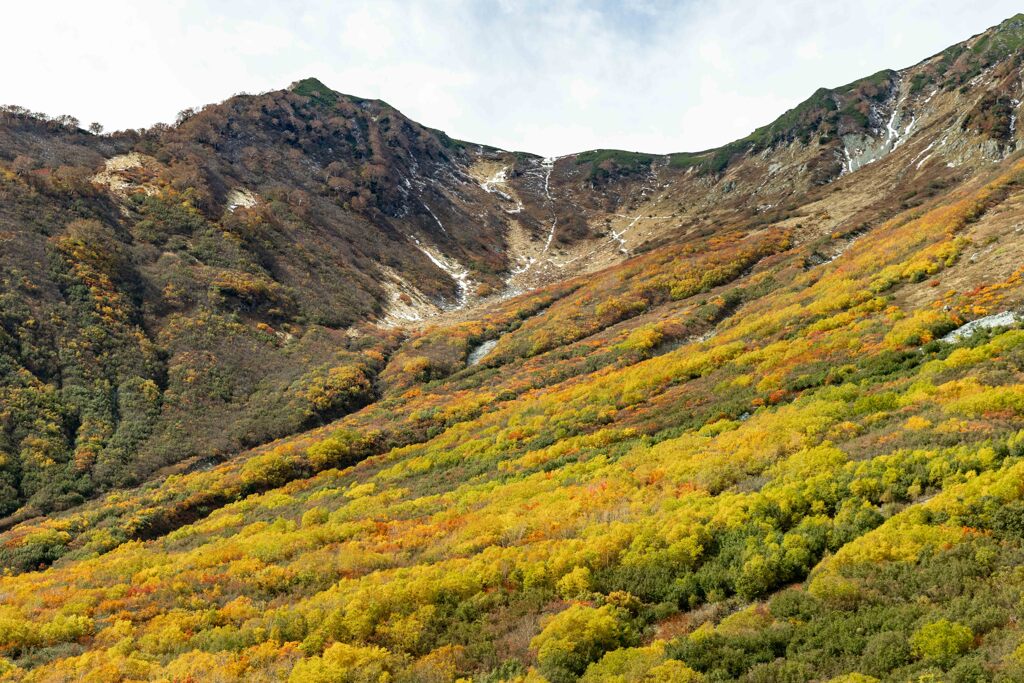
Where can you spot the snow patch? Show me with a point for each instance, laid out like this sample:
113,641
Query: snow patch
500,177
1013,119
453,268
861,149
551,235
480,352
847,160
924,153
906,132
493,178
549,165
618,236
434,216
1004,319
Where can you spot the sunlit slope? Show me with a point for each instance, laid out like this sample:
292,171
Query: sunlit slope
722,459
171,297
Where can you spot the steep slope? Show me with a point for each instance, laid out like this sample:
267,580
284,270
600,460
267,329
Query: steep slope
945,118
162,284
619,459
762,447
182,293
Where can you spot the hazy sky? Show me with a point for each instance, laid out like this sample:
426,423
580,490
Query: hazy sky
550,77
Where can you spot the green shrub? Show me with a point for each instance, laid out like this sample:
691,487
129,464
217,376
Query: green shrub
941,642
574,638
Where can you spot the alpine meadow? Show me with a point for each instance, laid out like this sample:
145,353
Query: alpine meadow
299,389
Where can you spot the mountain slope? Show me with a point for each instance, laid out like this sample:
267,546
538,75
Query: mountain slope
224,265
762,447
160,286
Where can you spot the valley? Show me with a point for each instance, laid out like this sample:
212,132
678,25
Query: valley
300,389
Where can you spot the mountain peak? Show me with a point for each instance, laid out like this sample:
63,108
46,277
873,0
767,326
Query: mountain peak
1016,22
309,84
995,44
315,89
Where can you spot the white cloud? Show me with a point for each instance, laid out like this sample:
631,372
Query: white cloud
369,32
547,77
809,49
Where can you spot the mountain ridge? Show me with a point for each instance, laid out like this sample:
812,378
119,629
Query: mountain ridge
297,390
367,174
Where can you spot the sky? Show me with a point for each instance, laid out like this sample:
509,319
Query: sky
549,77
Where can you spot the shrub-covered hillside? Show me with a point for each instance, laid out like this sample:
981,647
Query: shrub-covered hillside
178,294
710,463
750,441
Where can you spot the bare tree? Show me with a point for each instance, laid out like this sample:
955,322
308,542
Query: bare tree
22,164
96,128
67,120
184,115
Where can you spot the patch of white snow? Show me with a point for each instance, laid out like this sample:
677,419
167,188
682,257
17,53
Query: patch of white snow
1004,319
480,352
453,268
549,164
434,216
